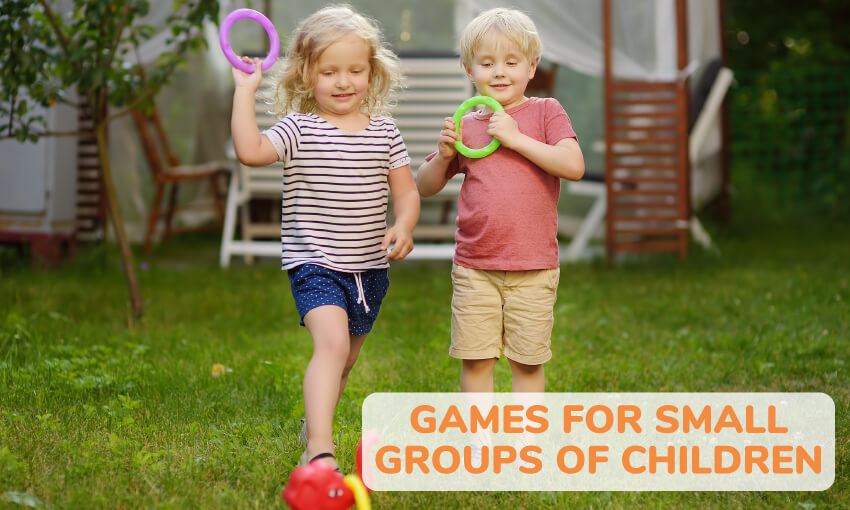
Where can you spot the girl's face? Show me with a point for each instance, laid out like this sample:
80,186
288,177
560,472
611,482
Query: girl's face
342,78
500,70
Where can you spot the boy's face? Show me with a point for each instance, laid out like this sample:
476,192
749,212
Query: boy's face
500,70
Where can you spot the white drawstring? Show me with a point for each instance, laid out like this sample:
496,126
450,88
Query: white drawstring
361,296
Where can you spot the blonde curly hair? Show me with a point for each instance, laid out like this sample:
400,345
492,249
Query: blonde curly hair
294,91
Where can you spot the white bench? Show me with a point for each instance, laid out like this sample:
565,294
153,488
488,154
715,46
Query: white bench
435,87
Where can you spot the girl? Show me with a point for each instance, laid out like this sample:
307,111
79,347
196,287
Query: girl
340,156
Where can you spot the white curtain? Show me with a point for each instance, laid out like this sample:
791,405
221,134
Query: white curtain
644,48
644,33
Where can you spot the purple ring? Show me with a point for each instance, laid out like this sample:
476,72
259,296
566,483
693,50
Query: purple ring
224,39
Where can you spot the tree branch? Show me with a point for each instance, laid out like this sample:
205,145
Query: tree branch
121,26
130,107
55,133
11,115
51,18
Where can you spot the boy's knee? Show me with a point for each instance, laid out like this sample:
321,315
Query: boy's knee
525,367
479,365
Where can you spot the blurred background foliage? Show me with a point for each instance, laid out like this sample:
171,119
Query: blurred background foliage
790,111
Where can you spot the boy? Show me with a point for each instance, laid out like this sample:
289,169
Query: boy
506,269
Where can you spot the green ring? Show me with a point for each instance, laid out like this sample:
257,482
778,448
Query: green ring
466,105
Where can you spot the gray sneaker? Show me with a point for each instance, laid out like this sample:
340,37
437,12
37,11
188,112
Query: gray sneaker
302,437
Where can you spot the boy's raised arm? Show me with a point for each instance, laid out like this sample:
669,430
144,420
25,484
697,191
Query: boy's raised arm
431,176
564,159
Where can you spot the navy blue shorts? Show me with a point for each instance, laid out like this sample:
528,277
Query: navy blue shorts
314,286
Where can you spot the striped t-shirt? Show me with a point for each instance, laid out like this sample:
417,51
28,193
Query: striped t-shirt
335,190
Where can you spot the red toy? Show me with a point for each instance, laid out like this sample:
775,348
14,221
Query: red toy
318,486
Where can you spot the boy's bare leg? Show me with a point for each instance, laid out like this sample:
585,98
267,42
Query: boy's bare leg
328,325
477,375
527,378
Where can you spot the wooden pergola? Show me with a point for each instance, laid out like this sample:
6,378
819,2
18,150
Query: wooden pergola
647,165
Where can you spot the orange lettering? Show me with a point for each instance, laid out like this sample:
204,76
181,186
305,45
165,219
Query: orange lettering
452,419
455,456
771,422
750,419
525,455
631,419
813,463
394,466
428,423
415,456
689,419
659,414
751,458
627,464
477,420
728,419
511,416
569,418
541,421
502,455
562,465
718,459
778,458
591,423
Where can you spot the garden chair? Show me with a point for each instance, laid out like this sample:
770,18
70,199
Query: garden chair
259,237
168,173
250,187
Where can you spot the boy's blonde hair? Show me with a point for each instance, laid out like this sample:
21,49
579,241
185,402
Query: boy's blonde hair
294,92
513,24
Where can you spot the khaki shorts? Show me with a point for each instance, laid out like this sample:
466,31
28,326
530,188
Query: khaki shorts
513,310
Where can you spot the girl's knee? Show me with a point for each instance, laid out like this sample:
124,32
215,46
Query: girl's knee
348,366
331,348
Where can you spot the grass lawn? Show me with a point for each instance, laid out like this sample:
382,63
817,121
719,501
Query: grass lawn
94,415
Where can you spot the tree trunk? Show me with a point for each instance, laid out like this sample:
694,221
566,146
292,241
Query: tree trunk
127,261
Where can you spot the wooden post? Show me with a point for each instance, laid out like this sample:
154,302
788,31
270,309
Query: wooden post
724,122
682,131
647,175
607,43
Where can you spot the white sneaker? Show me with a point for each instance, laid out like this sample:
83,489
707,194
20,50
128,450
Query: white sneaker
475,457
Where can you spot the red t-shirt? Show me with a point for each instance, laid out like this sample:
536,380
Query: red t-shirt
508,207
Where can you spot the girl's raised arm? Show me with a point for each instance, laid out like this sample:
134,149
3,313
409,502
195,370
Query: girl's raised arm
252,148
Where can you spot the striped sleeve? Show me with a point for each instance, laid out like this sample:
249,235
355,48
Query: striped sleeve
284,137
398,151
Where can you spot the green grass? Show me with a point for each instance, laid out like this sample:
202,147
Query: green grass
95,415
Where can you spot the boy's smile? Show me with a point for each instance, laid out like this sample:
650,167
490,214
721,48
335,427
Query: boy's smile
500,70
